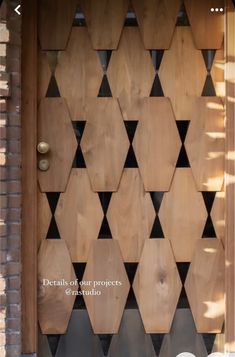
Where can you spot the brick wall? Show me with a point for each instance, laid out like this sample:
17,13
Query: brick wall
10,185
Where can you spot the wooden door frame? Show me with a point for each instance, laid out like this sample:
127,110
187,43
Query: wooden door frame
29,177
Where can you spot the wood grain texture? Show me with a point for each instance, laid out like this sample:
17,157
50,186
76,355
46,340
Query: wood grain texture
79,72
218,215
152,12
183,215
219,343
205,286
44,216
55,23
104,143
156,143
105,263
130,71
44,74
55,128
133,205
217,73
207,26
79,215
157,286
105,19
205,143
184,63
54,305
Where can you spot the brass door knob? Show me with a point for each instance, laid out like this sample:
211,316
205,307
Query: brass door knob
43,165
43,147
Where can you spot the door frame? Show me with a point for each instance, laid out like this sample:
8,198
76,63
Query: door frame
29,176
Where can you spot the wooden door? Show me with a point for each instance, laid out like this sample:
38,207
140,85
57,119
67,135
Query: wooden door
131,186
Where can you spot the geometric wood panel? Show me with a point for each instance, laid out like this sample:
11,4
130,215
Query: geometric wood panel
205,143
183,215
54,306
105,19
79,72
55,128
156,143
207,26
130,72
55,23
104,143
157,286
205,286
79,215
105,264
45,74
44,216
217,73
156,20
133,205
183,63
218,215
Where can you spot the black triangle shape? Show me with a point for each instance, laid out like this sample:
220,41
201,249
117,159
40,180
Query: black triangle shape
182,126
209,231
157,231
131,159
53,232
105,232
131,302
131,126
105,90
79,269
208,56
209,340
105,340
183,271
131,19
53,198
79,127
156,90
79,19
157,199
208,89
208,199
79,161
182,18
53,341
79,303
105,56
183,160
156,56
104,200
183,300
157,339
53,90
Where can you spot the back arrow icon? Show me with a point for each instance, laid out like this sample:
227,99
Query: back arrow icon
17,10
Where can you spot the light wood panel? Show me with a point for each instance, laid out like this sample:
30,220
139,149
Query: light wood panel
55,128
156,143
219,343
217,73
79,72
54,305
55,23
105,264
152,13
104,143
183,215
157,286
79,215
44,216
205,143
186,65
207,26
218,215
133,205
130,71
205,286
105,19
45,74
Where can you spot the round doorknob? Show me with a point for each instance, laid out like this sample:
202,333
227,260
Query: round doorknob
43,147
43,165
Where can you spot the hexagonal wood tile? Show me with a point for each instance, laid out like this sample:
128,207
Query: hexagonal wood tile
79,215
44,216
54,306
55,128
184,62
183,214
105,264
217,73
218,215
156,143
152,12
207,26
205,286
104,143
55,23
157,286
205,143
105,19
133,205
130,71
75,65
